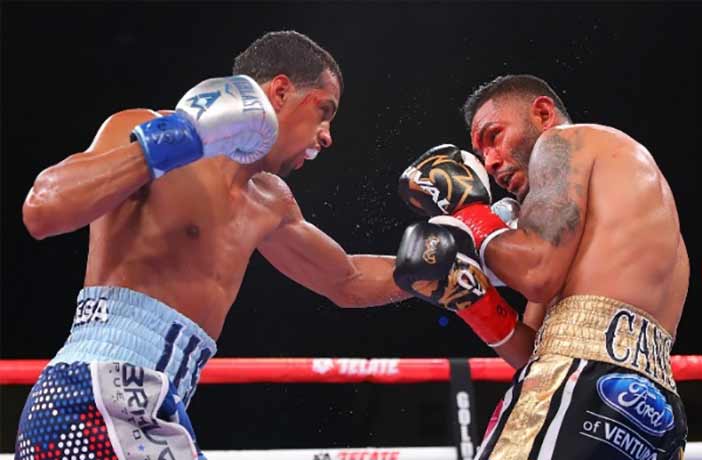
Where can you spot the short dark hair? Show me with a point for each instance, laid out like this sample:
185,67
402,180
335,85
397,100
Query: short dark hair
290,53
520,85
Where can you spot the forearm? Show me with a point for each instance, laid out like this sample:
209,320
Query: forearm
517,350
372,283
82,188
520,260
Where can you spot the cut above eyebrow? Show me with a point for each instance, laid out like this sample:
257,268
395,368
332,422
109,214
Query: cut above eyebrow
479,137
484,128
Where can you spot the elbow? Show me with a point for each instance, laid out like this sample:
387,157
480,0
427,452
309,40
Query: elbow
38,211
344,296
34,217
343,300
541,286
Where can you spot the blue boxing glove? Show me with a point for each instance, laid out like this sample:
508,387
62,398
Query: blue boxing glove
229,116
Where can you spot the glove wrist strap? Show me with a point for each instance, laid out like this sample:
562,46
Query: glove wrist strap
167,142
491,318
481,221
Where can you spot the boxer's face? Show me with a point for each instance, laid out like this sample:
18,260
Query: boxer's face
503,134
304,124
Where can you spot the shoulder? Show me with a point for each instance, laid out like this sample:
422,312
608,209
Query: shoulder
570,140
116,128
561,135
587,136
131,116
274,192
564,149
556,143
272,184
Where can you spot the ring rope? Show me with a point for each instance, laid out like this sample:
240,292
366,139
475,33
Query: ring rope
336,370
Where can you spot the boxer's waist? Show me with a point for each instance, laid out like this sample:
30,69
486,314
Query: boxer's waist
603,329
119,324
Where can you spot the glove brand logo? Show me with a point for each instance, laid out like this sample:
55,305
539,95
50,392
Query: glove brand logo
637,399
443,180
322,365
203,101
248,94
425,187
444,174
430,245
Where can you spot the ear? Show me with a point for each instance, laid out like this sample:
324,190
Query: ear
279,90
544,112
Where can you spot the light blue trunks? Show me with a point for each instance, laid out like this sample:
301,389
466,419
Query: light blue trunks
119,324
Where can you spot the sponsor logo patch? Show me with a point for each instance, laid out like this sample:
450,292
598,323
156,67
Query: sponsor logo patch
356,366
619,436
91,311
637,399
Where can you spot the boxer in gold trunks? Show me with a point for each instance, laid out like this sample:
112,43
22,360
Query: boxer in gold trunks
598,253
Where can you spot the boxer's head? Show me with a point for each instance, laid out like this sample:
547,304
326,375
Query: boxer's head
304,84
505,117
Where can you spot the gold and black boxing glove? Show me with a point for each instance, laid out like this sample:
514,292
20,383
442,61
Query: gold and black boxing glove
443,180
448,181
430,265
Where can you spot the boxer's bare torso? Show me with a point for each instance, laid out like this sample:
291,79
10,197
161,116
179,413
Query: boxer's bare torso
631,248
187,237
608,215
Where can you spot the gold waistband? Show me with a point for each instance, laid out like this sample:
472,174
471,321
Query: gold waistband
603,329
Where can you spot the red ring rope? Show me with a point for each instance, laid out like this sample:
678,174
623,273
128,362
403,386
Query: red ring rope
336,370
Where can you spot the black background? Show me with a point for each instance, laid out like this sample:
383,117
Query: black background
408,68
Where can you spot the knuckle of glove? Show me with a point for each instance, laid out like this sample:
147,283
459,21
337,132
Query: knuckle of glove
440,182
426,253
460,231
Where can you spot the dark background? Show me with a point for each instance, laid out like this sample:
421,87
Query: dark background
408,68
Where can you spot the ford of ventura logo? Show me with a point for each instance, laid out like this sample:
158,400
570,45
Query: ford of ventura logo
637,399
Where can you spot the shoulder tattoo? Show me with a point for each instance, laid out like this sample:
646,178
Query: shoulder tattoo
557,189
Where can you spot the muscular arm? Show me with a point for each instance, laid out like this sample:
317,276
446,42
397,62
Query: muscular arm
535,258
310,257
86,185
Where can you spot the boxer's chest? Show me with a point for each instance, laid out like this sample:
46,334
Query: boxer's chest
210,222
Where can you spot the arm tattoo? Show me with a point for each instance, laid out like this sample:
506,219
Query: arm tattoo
549,209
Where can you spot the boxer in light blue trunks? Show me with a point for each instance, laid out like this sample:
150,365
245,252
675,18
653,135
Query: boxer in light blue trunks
119,386
177,201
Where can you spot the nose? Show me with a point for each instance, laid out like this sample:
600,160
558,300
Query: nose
324,137
493,161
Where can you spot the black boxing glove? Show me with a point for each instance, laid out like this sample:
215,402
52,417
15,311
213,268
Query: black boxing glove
431,266
443,180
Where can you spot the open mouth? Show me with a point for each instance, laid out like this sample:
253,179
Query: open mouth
311,154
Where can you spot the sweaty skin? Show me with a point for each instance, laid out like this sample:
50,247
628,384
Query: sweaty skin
597,217
187,237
